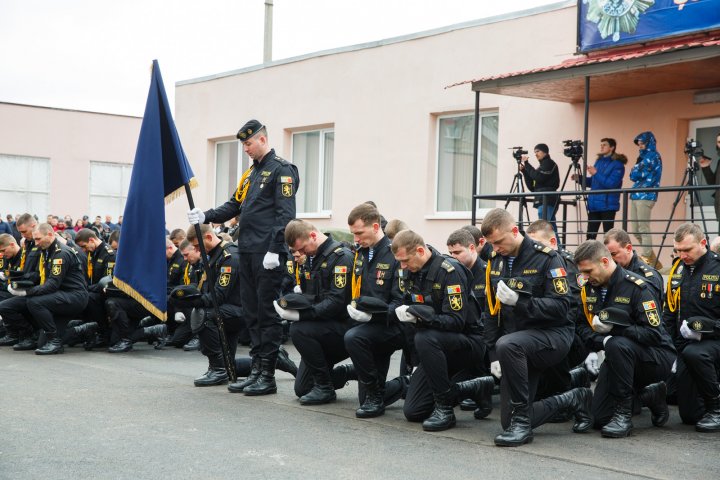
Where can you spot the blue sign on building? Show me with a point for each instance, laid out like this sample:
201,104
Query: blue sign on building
610,23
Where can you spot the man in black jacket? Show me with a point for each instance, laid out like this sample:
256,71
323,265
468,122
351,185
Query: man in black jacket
544,178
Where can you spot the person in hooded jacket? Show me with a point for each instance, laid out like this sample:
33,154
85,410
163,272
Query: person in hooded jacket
646,173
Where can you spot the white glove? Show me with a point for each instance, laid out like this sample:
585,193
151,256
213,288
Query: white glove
600,327
506,295
495,369
605,340
179,317
357,315
592,364
271,260
289,315
297,289
17,293
403,315
196,216
673,369
2,276
686,332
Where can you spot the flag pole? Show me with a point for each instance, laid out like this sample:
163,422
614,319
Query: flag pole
229,362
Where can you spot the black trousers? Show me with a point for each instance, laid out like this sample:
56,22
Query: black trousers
370,346
607,218
209,336
181,333
556,379
445,358
321,345
258,289
627,369
523,356
24,313
95,310
697,378
125,315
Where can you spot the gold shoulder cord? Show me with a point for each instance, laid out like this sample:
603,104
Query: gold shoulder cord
493,302
243,185
202,280
297,274
22,257
356,281
588,315
42,267
186,275
673,298
90,267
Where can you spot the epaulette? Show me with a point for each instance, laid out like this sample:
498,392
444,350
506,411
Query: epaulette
338,250
567,254
543,249
109,249
647,271
636,280
447,266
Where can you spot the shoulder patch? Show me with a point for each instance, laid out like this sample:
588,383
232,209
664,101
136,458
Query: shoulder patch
543,248
447,266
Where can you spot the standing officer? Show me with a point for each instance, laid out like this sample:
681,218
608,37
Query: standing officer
320,316
527,329
620,247
691,315
266,199
438,300
621,316
61,290
377,336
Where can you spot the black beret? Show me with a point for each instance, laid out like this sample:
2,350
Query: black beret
295,301
614,316
701,324
248,130
370,305
423,312
183,292
22,284
520,285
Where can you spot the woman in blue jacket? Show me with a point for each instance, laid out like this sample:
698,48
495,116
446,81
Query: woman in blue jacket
607,173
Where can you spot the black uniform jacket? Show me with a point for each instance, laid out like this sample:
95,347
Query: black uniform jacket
103,265
175,271
225,264
647,273
327,282
267,208
379,278
62,271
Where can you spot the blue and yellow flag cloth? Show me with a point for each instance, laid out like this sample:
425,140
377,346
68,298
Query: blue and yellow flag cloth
159,175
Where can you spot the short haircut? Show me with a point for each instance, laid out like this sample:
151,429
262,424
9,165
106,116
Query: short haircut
177,233
689,229
408,240
394,226
6,240
168,242
369,214
85,234
461,237
298,230
44,229
114,236
619,235
25,219
185,244
497,219
543,227
610,141
591,250
204,229
475,232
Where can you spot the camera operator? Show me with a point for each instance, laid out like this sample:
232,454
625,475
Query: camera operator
712,178
607,173
544,178
646,173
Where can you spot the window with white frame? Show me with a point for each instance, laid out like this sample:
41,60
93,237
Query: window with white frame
26,185
109,184
455,160
312,153
230,163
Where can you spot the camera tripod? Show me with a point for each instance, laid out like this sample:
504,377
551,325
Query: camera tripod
574,167
518,186
689,179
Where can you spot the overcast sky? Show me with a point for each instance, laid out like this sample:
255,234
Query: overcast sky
96,54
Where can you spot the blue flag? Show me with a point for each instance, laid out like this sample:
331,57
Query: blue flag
159,175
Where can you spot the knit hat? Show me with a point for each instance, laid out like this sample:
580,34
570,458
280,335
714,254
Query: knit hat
542,147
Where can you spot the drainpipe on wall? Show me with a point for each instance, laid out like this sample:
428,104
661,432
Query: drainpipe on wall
267,46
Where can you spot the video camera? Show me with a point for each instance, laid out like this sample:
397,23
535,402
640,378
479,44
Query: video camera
694,148
573,149
518,152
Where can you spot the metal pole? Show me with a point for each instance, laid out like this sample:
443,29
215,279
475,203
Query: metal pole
229,362
476,158
585,131
267,45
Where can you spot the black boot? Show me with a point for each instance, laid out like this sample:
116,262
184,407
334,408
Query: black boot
710,422
620,425
395,389
9,340
374,404
578,403
265,384
157,334
284,364
239,386
193,345
653,397
148,321
52,346
70,337
29,342
99,340
342,374
322,392
86,331
214,376
519,431
479,390
443,416
124,345
579,377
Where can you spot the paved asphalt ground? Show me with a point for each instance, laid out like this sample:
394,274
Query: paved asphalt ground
137,416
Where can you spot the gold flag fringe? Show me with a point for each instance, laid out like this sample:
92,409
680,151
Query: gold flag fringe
180,191
140,299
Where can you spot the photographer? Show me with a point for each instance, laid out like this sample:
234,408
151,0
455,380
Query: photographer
712,178
544,178
607,173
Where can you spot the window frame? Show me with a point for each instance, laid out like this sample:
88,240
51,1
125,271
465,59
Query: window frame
30,190
319,212
124,197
